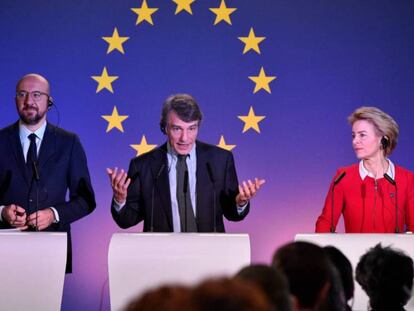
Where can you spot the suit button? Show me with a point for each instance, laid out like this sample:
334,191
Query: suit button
30,200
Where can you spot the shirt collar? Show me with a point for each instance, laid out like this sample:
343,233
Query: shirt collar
363,172
24,132
172,152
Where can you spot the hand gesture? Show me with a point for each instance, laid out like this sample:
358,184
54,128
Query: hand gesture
41,219
15,216
248,190
119,183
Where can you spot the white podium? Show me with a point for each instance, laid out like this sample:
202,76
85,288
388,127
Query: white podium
354,246
32,270
140,261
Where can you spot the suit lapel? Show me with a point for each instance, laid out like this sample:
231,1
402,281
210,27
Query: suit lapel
48,146
201,178
16,146
163,182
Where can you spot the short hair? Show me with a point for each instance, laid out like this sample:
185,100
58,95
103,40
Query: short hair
386,275
184,105
383,123
164,298
307,269
272,282
226,294
344,267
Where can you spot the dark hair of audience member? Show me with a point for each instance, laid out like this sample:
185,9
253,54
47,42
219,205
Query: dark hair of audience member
164,298
386,275
308,271
228,295
272,282
344,267
335,298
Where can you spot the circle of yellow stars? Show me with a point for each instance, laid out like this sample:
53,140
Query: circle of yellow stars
145,14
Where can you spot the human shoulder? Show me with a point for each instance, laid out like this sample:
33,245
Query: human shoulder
350,169
157,154
58,131
202,147
5,131
351,172
399,170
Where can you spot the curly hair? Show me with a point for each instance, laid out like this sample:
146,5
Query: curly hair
386,275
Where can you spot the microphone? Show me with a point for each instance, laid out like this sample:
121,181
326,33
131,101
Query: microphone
392,182
213,181
153,195
336,181
35,179
185,190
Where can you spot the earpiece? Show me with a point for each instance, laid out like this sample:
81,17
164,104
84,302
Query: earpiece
385,142
162,128
50,102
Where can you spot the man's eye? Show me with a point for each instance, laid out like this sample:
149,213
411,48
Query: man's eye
36,95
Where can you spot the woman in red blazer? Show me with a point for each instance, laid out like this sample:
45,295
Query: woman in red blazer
374,195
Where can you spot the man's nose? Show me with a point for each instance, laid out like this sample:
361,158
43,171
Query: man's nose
184,135
28,99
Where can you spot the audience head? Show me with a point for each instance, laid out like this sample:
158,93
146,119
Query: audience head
308,271
386,275
228,295
344,267
272,282
164,298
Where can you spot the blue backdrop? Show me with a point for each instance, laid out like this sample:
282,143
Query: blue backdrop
329,57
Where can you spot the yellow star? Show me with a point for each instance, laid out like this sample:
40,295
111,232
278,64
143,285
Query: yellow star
251,121
143,146
183,5
144,13
115,42
222,144
251,42
222,13
104,81
262,81
115,120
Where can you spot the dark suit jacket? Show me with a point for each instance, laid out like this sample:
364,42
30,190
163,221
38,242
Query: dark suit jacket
143,171
62,167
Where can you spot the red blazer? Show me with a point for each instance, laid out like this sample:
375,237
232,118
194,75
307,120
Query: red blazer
369,208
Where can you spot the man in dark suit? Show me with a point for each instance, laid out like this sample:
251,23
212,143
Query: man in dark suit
183,186
39,163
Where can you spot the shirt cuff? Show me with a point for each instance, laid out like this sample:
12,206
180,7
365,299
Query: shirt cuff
56,215
118,206
240,209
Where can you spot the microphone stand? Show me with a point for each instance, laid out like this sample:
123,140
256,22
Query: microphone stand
185,190
153,196
35,179
392,182
336,181
210,173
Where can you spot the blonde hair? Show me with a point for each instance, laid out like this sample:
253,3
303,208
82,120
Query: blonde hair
383,123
